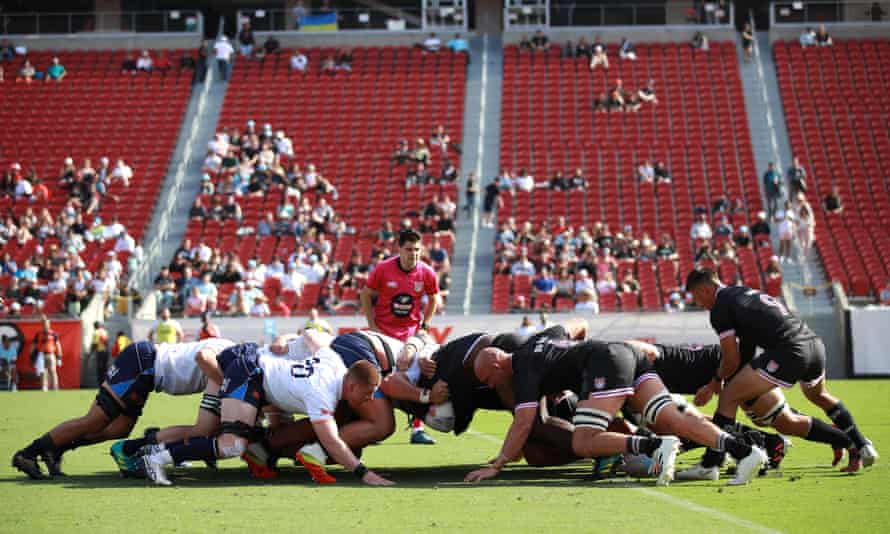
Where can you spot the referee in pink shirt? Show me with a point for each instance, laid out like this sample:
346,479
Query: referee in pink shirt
399,285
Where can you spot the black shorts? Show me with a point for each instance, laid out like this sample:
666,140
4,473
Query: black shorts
614,370
801,362
132,376
243,376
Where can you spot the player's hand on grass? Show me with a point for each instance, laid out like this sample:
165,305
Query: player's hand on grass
704,393
481,474
427,366
439,393
373,479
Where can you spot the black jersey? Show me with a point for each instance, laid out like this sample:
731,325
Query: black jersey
548,362
465,392
686,368
756,319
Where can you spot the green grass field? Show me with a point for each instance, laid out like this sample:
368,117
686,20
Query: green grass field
807,496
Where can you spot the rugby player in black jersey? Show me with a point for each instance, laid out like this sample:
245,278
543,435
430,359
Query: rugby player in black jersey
606,375
689,369
792,353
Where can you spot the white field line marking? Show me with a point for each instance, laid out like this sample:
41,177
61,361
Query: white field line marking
471,264
676,501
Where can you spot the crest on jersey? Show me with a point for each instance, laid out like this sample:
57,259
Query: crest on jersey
418,287
599,382
772,366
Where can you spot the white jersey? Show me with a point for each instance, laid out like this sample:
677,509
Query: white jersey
296,348
311,386
396,347
177,371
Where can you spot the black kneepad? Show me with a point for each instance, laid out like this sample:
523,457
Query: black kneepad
108,404
237,428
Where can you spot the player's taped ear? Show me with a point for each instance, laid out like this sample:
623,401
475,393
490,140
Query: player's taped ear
657,403
212,403
591,418
769,418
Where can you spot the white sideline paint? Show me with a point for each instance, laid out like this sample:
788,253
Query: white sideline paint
716,514
676,501
471,265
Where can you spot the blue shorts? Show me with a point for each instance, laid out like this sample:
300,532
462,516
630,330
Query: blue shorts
132,376
242,376
353,347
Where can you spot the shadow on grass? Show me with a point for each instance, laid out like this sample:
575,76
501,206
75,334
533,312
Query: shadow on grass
433,477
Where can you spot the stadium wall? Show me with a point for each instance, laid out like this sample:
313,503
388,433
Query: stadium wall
869,339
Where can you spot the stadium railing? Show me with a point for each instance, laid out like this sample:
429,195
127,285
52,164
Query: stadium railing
97,24
827,12
545,14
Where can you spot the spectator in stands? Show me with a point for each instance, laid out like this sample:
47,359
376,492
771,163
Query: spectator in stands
260,307
203,62
666,248
578,182
605,284
742,237
674,303
808,38
421,152
162,64
440,139
195,304
558,182
459,45
449,173
748,41
723,228
700,42
646,172
545,287
598,56
647,93
246,40
785,223
26,73
761,226
272,46
797,178
344,59
299,62
583,281
822,37
56,71
128,66
403,153
526,328
540,41
524,182
701,229
525,44
224,53
833,202
584,48
885,294
523,265
773,270
627,50
470,193
772,186
145,63
806,230
662,174
491,200
7,50
432,43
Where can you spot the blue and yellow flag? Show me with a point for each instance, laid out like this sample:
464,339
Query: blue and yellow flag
316,23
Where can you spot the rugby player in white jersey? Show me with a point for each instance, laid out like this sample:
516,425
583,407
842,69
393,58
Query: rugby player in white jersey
176,369
312,386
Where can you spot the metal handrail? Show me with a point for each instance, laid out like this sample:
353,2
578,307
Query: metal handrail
102,23
548,14
790,14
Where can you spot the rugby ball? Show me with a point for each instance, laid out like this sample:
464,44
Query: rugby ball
637,465
440,417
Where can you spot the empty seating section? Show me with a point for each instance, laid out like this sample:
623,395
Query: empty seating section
348,125
837,109
698,128
94,112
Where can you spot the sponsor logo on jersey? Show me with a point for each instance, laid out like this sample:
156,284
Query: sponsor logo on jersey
402,304
113,371
599,382
772,366
418,287
393,284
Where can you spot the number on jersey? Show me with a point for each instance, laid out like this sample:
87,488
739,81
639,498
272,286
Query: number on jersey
304,368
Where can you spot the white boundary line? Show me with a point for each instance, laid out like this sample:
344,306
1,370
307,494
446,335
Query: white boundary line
676,501
471,264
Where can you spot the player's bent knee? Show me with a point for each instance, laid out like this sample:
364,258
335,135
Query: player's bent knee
654,407
768,418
